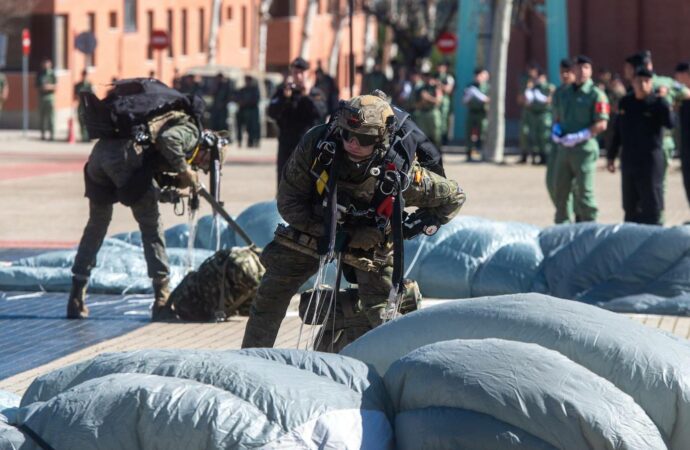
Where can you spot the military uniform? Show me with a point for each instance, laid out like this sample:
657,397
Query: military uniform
428,115
120,170
248,115
446,107
475,127
538,121
577,109
46,102
292,258
82,86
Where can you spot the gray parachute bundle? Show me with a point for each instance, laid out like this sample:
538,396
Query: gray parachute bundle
177,399
601,356
223,284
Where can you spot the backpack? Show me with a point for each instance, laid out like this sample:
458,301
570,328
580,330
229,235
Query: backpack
224,284
131,104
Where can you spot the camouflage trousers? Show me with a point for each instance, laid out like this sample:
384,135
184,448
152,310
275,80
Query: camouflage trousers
146,213
286,271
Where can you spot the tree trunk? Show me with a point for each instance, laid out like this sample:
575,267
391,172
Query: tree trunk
339,24
264,17
213,32
306,29
499,58
369,42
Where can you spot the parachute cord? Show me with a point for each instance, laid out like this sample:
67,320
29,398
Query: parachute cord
316,292
331,304
416,256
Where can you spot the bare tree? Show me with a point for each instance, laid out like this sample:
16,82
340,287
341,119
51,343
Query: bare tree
340,24
213,32
309,14
264,17
499,62
13,10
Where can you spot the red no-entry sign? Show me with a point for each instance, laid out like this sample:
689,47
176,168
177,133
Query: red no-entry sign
26,41
447,42
159,40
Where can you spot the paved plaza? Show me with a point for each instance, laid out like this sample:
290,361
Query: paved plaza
43,208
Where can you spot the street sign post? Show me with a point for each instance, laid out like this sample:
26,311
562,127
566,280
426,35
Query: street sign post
446,43
159,41
85,42
26,50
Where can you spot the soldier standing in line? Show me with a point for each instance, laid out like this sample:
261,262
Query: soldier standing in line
84,85
538,100
639,131
427,112
350,150
582,113
477,100
527,82
45,83
447,87
683,76
247,116
219,108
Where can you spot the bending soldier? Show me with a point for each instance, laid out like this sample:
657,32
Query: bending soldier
356,153
121,169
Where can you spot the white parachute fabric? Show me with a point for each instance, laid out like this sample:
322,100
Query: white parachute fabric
10,437
210,400
650,366
527,386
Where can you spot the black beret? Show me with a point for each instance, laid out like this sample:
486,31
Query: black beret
683,67
566,63
300,63
642,71
583,59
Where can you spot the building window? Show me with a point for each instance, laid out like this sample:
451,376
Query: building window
171,24
130,24
184,32
91,58
286,8
202,30
61,42
149,27
244,27
112,19
229,13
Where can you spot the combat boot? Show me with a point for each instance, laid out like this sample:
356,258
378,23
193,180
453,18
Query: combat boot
76,303
161,291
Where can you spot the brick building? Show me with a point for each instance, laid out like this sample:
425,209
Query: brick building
122,29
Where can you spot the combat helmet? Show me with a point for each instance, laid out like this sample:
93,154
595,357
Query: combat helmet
368,115
200,155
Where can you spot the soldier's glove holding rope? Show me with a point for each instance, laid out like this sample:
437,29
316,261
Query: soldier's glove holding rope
420,222
365,238
187,179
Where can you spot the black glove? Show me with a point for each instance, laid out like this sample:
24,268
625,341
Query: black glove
419,222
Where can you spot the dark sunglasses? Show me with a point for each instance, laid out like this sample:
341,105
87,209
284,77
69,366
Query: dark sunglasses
363,139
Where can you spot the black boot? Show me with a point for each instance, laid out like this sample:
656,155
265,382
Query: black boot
76,303
161,292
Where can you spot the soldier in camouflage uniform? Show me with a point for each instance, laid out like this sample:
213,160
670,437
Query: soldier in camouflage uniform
477,100
359,140
427,112
122,170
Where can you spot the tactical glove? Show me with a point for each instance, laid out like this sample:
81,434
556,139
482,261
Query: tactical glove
419,222
187,178
366,238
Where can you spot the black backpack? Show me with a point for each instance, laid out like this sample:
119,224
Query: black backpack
130,104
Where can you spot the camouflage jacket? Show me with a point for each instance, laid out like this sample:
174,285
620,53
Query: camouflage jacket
301,207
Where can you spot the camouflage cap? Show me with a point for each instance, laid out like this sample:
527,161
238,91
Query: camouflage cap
367,114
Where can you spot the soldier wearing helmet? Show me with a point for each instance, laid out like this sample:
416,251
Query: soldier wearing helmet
339,192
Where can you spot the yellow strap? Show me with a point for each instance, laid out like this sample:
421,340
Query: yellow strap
321,182
196,151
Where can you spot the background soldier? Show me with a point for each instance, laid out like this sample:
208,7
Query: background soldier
4,91
582,113
293,111
567,79
84,85
538,96
477,100
219,108
45,83
527,82
248,112
639,130
360,138
427,112
447,82
683,76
